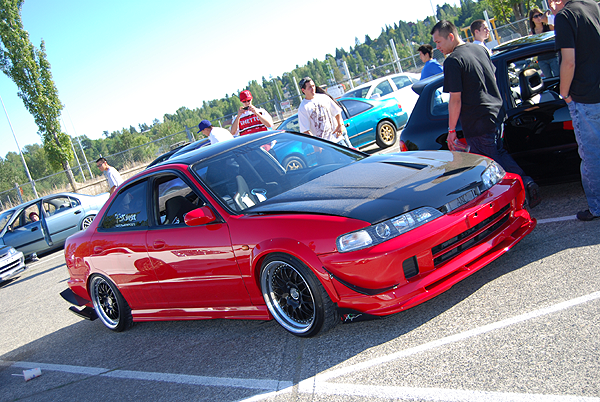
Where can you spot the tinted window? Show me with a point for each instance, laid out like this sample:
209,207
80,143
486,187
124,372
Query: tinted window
355,107
382,89
129,209
247,175
401,82
173,198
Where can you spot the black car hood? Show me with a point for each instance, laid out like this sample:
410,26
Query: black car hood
383,186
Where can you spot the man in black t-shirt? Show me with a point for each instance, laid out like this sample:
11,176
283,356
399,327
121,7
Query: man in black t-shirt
577,29
469,77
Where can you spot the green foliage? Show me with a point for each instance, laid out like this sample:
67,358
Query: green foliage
29,69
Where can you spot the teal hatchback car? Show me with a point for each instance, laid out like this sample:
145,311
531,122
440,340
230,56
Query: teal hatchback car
366,120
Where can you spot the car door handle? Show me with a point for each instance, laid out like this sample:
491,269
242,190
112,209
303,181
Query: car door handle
347,124
158,244
34,229
77,212
98,250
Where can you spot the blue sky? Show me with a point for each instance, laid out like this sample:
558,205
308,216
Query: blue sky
122,63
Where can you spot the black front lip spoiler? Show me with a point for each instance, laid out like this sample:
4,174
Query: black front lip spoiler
87,312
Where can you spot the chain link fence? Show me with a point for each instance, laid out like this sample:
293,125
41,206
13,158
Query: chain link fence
128,162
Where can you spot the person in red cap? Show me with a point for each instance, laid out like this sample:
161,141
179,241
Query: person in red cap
250,119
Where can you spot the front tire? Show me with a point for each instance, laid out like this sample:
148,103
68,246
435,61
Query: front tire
110,305
386,134
295,297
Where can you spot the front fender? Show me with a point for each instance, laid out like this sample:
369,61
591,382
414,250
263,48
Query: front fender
296,249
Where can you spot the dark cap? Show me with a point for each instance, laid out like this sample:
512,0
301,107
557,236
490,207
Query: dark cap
204,124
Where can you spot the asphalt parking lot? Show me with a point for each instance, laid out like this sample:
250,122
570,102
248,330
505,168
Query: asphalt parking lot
525,328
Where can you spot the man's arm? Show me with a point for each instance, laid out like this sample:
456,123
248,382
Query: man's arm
265,118
454,106
567,71
340,127
236,123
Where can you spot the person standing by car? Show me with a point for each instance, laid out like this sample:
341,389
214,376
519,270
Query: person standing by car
250,119
319,115
577,29
113,177
469,77
548,62
214,134
481,33
432,66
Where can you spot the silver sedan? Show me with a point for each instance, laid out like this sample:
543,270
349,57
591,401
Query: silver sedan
45,223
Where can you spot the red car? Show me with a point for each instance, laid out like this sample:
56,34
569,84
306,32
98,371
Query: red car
227,232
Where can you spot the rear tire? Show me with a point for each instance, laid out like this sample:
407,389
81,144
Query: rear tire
87,221
386,134
110,305
295,297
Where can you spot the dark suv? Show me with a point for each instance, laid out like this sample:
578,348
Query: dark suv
538,131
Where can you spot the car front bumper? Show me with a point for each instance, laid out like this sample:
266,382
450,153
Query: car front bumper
425,262
12,266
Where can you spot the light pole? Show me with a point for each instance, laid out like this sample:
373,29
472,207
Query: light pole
35,194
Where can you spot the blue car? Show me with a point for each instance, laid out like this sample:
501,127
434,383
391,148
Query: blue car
366,120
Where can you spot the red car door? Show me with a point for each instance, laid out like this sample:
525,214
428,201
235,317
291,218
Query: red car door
119,249
195,266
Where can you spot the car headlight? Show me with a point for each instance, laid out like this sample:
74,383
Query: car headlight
491,175
11,252
383,231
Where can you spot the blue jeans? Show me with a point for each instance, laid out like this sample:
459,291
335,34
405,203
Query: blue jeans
586,122
490,145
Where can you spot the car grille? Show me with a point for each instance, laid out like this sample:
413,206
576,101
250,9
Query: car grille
469,238
10,266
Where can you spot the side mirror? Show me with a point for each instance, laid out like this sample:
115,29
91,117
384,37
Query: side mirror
199,216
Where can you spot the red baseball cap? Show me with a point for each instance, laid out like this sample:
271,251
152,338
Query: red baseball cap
245,96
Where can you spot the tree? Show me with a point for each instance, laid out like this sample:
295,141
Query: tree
29,68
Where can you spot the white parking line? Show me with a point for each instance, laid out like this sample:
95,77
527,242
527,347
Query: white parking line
559,219
318,385
249,383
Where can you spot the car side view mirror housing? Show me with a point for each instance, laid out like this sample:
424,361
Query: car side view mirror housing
199,216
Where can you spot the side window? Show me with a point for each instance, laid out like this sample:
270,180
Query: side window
439,103
129,209
402,82
355,107
58,205
382,89
173,198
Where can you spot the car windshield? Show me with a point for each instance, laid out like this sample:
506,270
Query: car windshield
257,171
4,218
